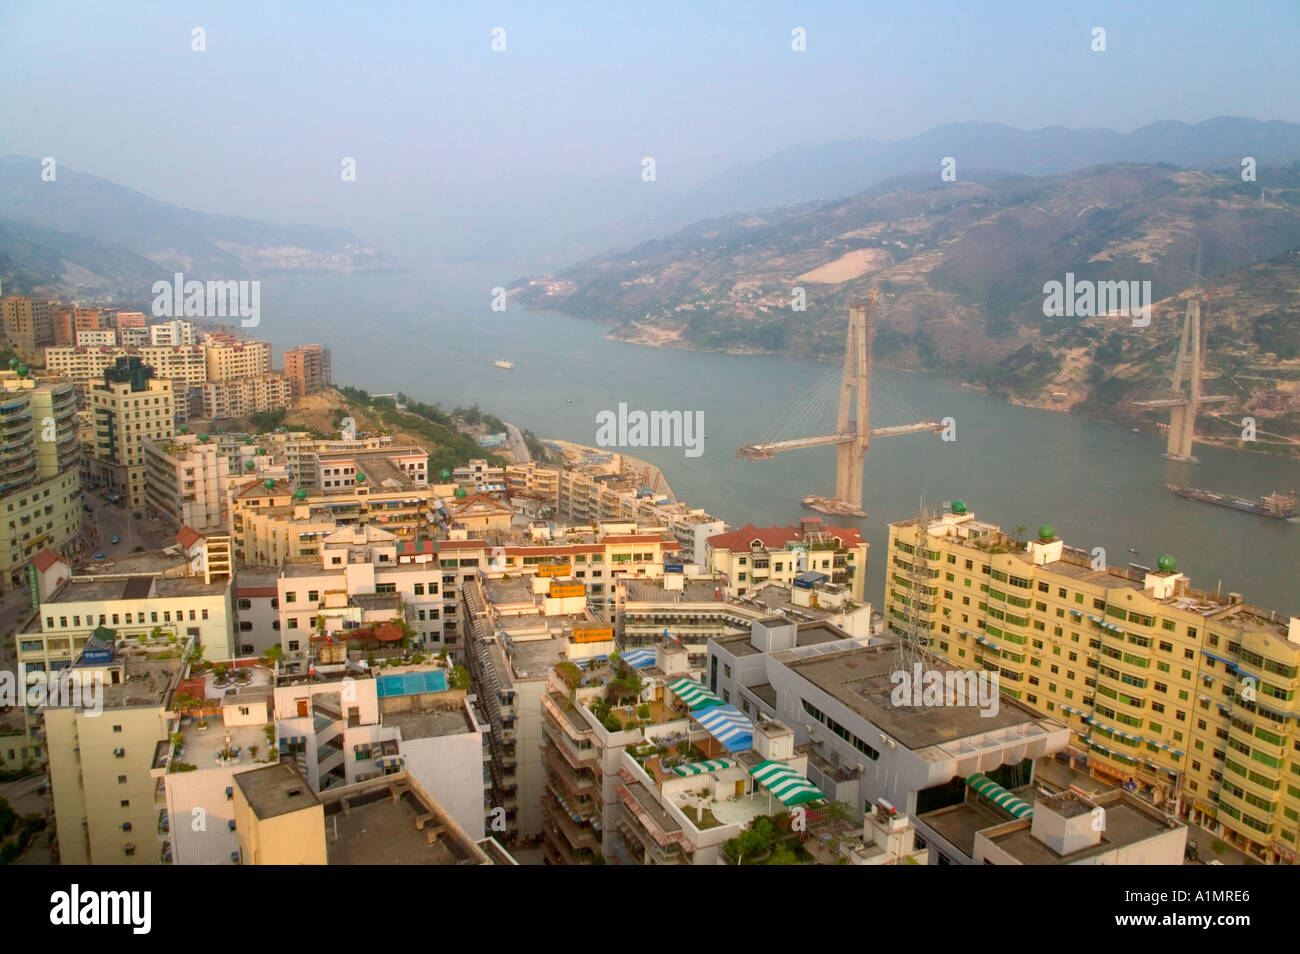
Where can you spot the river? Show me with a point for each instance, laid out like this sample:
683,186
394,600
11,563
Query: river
432,334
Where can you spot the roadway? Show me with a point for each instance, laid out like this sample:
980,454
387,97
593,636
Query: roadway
517,445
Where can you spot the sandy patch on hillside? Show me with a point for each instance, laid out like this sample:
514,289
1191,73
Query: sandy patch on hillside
848,266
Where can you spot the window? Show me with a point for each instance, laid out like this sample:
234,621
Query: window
126,803
121,780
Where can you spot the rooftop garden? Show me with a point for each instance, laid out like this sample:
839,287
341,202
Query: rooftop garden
769,840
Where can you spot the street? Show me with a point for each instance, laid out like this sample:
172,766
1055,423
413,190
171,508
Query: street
517,445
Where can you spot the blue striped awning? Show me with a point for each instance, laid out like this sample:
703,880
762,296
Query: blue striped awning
728,725
638,658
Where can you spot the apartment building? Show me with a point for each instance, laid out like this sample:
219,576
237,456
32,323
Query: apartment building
186,479
366,586
584,739
129,319
241,397
101,762
130,406
271,522
40,468
1181,694
96,337
184,364
229,358
28,324
301,451
516,631
69,321
751,555
308,369
172,333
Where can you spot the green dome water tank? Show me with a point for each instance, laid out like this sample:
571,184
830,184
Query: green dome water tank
261,452
249,465
460,492
185,428
269,483
13,362
22,370
300,494
361,478
203,437
1047,533
1167,563
444,475
959,506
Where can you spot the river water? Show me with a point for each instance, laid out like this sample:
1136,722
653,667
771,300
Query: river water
432,334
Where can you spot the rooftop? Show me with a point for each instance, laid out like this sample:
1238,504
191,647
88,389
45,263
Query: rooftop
860,679
430,723
276,790
386,822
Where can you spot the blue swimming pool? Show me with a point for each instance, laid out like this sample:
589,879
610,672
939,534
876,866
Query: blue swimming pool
411,683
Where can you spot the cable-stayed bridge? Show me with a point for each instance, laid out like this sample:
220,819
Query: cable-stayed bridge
847,390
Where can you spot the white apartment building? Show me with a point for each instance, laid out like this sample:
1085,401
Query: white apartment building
171,333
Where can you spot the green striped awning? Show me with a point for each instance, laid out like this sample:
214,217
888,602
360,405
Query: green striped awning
785,783
999,796
693,694
700,768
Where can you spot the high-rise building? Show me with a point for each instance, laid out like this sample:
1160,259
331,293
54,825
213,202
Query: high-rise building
28,324
241,397
101,760
229,357
174,332
308,369
70,320
130,406
40,477
129,319
1178,694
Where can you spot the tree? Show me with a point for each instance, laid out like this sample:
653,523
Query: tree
460,677
271,655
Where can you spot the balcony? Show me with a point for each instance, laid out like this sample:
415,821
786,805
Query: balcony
578,759
578,785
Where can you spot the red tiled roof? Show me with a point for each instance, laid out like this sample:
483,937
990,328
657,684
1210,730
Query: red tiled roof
251,591
387,632
775,537
45,559
187,537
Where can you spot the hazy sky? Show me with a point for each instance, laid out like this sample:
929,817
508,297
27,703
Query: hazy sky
546,138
